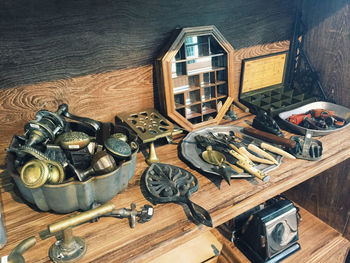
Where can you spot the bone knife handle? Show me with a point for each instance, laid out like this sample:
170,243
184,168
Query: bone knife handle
254,158
262,153
277,150
254,171
269,137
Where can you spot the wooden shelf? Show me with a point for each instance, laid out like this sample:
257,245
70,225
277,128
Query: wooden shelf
189,59
205,70
319,243
112,240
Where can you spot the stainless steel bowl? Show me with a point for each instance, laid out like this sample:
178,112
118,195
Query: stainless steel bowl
339,111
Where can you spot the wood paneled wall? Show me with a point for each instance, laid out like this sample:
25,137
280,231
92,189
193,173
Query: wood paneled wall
53,40
327,44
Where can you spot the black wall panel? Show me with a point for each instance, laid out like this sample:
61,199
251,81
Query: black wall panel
43,40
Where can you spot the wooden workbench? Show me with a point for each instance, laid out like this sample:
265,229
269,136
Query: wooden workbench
112,240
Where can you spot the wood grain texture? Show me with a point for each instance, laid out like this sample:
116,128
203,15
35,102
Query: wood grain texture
98,96
327,43
111,240
319,244
51,40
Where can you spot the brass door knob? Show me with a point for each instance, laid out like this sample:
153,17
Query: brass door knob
36,173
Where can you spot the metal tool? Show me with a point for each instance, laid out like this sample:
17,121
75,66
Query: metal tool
239,147
307,148
241,160
263,121
167,183
16,254
69,248
271,138
216,158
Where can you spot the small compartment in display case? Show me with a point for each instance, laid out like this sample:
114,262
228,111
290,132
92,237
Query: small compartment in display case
209,107
209,93
179,100
194,97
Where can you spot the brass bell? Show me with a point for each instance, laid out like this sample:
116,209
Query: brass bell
36,173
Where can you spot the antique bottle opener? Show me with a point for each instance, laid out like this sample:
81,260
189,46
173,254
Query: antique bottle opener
167,183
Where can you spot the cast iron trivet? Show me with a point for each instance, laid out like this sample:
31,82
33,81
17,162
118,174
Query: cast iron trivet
167,183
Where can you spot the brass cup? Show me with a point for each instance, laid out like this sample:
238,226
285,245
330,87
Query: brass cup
36,173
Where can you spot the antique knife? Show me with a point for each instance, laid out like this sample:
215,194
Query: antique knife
265,145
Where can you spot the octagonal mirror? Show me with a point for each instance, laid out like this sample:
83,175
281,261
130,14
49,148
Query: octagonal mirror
195,74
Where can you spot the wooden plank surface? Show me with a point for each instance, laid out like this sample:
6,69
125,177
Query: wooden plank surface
111,240
319,244
45,41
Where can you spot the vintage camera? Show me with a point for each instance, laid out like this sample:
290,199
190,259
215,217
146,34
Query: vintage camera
269,232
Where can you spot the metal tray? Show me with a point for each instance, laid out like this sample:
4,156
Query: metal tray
192,153
339,111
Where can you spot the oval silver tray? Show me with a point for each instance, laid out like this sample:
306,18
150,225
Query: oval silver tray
192,153
339,111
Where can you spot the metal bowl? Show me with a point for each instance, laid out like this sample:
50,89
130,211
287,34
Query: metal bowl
339,111
75,195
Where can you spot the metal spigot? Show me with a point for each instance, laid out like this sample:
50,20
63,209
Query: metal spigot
16,254
69,248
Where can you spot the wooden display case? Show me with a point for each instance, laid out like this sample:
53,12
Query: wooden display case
195,77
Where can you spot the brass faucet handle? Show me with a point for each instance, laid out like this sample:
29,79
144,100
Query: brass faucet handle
144,215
